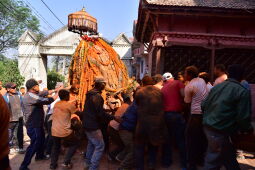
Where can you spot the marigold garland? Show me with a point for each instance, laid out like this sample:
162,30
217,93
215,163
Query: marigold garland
94,57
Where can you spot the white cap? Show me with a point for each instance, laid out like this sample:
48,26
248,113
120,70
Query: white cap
99,79
167,76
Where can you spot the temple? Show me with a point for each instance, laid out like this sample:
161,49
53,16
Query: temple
178,33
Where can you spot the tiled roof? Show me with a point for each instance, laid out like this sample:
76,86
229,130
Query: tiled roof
233,4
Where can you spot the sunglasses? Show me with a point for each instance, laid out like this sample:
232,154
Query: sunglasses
13,87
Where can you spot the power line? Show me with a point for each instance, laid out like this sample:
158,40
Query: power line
39,15
53,13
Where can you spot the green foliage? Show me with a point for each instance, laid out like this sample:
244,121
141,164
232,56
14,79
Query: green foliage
15,18
9,71
52,78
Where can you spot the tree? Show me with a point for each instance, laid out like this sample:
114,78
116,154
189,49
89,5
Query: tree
52,78
15,18
9,71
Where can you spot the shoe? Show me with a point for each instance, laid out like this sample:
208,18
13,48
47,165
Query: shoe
67,166
42,158
53,167
47,156
21,151
12,151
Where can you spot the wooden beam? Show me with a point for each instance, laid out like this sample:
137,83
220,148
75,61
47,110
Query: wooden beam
145,25
162,61
202,39
150,55
154,23
212,64
158,60
200,12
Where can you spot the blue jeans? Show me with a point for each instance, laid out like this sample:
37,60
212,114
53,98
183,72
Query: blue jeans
16,133
220,151
37,138
95,148
176,129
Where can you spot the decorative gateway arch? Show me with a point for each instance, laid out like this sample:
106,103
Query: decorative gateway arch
33,52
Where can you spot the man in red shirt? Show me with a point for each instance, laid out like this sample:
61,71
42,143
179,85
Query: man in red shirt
173,93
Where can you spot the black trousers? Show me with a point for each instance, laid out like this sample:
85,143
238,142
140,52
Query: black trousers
16,133
196,142
115,138
56,149
105,136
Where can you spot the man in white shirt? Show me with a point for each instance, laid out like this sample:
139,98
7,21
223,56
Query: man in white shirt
206,77
220,73
48,122
195,92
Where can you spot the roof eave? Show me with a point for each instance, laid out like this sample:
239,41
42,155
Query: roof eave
164,9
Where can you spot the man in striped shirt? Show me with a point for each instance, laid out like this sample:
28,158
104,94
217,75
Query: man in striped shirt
195,92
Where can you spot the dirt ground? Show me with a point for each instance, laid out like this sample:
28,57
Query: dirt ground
16,159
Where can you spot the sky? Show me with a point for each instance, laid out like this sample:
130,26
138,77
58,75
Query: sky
113,16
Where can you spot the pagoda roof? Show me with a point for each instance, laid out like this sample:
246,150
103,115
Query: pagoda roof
230,4
149,10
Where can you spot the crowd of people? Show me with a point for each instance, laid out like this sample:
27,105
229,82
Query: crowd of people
164,112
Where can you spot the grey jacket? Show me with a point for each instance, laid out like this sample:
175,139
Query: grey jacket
33,108
15,103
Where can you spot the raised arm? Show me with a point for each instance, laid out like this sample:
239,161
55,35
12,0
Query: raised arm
37,100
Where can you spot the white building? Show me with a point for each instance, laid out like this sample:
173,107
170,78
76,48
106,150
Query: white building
33,52
122,45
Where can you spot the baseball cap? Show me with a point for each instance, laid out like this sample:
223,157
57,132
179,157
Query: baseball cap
31,83
99,79
167,76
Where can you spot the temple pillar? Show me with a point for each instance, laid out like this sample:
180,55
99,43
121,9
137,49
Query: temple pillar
158,61
150,61
212,64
